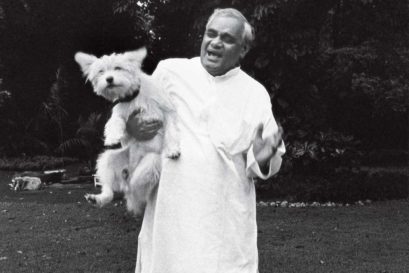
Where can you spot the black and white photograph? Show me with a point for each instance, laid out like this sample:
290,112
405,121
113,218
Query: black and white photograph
214,136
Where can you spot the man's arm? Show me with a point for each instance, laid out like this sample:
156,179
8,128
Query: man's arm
264,155
142,130
265,148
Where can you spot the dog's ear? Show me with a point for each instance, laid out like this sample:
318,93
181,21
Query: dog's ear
85,61
136,56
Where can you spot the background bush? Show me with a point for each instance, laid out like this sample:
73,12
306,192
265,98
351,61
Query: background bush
35,163
343,186
337,71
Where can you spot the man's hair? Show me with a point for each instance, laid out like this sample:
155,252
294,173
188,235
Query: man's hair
248,31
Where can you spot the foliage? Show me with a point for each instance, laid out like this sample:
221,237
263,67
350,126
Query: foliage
344,186
320,152
17,133
367,92
39,40
52,107
34,163
386,158
33,135
4,94
88,140
329,66
337,69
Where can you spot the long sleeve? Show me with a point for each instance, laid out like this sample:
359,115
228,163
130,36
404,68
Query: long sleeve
270,128
253,168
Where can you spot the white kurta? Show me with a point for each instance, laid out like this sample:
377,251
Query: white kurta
203,217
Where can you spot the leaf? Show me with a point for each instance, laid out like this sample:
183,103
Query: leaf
71,144
302,133
283,104
262,62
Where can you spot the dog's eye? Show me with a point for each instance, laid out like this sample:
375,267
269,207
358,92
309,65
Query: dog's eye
100,71
117,68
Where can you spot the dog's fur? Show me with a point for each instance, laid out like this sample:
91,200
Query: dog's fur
135,168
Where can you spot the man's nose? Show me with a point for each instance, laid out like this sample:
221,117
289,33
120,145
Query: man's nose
109,79
216,42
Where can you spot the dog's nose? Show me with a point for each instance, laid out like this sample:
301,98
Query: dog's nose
109,79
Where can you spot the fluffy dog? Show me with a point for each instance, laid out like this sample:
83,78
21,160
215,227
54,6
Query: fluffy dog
133,169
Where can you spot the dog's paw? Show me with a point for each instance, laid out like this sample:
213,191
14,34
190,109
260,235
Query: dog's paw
91,198
173,154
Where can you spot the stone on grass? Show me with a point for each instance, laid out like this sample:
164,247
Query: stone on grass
284,204
274,204
360,203
315,204
263,204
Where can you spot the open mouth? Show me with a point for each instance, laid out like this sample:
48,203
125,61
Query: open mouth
213,55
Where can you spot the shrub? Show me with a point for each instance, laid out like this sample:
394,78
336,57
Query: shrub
344,186
88,140
319,152
34,163
386,158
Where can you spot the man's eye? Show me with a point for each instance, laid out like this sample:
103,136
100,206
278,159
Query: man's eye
211,34
229,39
117,68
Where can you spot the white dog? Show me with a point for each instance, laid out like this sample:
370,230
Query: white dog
133,169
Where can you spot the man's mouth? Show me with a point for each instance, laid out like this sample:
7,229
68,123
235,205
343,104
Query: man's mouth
212,55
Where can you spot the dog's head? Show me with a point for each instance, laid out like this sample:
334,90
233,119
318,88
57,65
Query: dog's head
115,76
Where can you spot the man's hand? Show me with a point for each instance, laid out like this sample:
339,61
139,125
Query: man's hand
264,149
140,129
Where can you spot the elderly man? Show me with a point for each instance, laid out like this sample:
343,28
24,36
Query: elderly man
202,219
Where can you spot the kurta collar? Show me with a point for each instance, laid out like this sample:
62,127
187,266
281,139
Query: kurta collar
228,75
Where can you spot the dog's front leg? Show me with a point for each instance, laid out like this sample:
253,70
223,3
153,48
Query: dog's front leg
115,130
172,136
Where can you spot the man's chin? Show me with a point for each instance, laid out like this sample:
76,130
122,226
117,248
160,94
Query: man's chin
211,67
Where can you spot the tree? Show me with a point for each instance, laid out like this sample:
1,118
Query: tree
338,67
39,40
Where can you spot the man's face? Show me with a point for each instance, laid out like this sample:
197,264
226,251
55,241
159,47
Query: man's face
223,45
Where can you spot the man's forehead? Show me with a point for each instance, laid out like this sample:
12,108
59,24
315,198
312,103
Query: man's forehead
226,24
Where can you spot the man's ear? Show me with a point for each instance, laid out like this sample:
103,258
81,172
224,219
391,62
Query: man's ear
85,61
136,56
244,50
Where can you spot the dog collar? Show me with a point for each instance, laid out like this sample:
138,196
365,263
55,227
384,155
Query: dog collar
127,98
113,146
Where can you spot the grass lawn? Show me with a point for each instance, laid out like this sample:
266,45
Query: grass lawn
54,230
